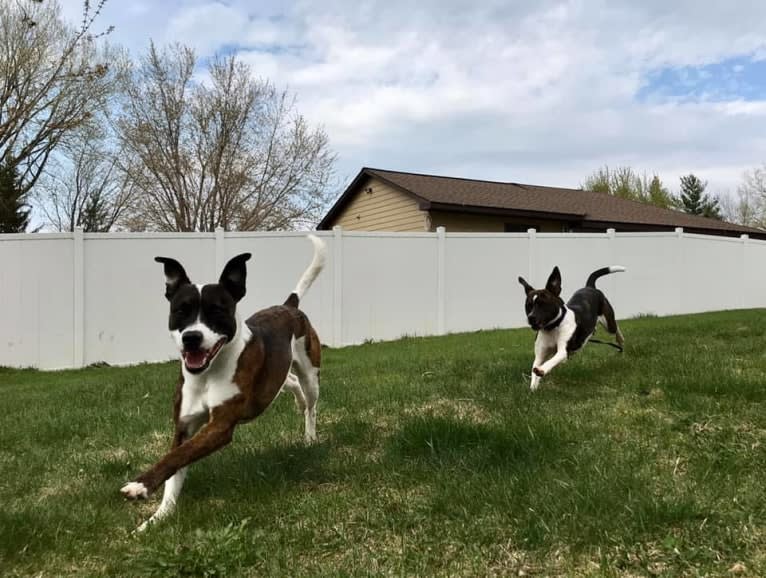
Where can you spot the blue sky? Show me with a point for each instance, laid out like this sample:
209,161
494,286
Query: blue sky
541,92
736,78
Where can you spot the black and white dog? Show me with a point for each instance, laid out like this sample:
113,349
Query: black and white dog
563,329
230,370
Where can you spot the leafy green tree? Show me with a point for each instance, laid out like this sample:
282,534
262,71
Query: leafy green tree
14,211
626,183
660,196
695,201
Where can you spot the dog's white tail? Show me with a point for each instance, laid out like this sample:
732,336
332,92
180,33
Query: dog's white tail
601,272
317,264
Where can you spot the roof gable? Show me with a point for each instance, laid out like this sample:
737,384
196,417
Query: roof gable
353,189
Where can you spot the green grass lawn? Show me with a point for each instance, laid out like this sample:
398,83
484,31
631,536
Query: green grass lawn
434,459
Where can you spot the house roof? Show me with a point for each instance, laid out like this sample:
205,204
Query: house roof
585,208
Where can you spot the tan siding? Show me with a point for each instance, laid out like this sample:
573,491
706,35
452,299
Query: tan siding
468,223
383,209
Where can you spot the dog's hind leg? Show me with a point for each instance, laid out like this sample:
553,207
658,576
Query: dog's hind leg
306,359
293,386
609,322
308,377
310,383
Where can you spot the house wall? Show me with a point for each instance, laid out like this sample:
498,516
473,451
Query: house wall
470,223
382,209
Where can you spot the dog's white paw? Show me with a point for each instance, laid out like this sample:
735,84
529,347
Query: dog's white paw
134,491
534,382
143,527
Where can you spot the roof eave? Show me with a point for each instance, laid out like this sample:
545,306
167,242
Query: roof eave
730,232
482,210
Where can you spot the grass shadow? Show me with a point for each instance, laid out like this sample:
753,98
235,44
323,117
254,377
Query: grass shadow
435,441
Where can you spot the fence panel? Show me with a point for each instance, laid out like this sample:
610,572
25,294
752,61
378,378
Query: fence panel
36,300
712,273
481,281
389,286
651,283
69,300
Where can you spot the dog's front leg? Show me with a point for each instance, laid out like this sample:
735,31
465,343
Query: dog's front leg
217,433
174,484
535,380
541,349
561,355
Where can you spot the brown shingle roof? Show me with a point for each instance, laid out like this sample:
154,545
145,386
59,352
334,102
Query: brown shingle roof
583,207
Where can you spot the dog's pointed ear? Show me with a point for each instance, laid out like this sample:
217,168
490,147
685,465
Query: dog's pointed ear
175,276
234,276
554,282
527,287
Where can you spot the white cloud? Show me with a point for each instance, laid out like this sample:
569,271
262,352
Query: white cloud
539,92
207,27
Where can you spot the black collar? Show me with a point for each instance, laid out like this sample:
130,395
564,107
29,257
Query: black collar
556,322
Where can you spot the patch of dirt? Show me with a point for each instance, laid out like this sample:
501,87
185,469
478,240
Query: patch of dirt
462,409
60,486
114,454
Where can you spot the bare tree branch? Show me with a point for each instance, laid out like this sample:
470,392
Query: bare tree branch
82,186
53,77
231,151
749,207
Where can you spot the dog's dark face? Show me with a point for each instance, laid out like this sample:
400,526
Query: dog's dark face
543,306
203,318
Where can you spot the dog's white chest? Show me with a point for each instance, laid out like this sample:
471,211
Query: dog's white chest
200,397
560,335
201,393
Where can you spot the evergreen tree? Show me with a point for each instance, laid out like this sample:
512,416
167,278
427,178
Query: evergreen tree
95,216
14,211
695,201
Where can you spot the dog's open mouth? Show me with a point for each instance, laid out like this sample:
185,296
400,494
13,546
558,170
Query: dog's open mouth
199,359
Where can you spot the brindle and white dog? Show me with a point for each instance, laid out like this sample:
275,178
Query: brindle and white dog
230,370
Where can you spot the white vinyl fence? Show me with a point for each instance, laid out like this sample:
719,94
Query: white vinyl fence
69,300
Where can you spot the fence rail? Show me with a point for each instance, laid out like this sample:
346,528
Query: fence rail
69,300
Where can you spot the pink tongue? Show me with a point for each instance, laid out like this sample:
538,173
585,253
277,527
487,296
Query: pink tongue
195,359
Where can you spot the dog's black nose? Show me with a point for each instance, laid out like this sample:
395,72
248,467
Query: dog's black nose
532,319
192,340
